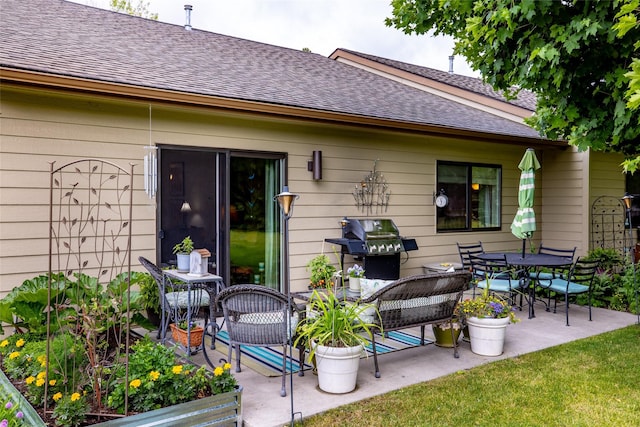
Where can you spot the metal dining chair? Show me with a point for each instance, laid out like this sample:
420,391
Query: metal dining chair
548,275
465,251
577,280
175,300
497,275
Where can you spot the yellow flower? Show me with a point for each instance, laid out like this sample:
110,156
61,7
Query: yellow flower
177,369
41,375
30,379
135,383
57,396
218,371
14,355
154,375
20,342
227,366
52,382
4,343
42,359
75,396
40,382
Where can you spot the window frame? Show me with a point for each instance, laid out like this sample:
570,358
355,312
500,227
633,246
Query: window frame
468,196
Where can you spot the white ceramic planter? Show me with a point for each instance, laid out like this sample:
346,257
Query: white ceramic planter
487,335
337,368
184,262
354,284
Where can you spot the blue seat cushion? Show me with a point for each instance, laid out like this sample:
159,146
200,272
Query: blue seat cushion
560,285
499,285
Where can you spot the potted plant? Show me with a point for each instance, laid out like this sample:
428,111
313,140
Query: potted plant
336,337
183,251
183,329
355,274
322,272
442,333
487,317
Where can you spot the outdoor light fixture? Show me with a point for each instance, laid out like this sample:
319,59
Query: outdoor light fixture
315,165
150,166
627,199
286,200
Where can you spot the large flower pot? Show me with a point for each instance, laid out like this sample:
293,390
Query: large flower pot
442,334
487,335
337,368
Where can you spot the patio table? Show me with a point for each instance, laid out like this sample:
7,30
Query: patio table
528,262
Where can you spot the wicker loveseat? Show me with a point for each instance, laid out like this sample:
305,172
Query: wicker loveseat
417,301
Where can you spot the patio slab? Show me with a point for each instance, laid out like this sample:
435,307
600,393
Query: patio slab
262,405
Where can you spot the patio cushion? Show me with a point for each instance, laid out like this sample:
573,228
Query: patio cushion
272,318
180,299
560,285
369,287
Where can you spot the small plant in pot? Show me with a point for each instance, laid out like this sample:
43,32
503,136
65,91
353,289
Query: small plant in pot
336,335
321,272
183,251
442,332
355,274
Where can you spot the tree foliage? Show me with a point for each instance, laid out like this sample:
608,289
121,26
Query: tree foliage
577,56
141,8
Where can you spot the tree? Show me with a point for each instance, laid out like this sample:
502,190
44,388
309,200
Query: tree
140,9
576,56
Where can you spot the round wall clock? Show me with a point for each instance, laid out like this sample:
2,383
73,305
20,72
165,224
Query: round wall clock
442,201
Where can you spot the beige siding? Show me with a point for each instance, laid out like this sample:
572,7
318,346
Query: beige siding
37,128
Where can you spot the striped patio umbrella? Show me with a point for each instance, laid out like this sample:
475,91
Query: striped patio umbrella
524,224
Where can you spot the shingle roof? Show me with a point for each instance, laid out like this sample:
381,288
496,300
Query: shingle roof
69,39
526,99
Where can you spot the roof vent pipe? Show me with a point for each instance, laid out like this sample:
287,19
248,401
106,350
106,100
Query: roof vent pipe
451,64
187,10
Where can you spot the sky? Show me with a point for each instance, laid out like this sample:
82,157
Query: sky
320,25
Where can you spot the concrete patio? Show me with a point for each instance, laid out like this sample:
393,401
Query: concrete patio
262,405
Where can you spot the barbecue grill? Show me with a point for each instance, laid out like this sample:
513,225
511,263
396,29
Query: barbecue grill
378,242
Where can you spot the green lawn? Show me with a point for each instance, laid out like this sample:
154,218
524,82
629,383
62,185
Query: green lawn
590,382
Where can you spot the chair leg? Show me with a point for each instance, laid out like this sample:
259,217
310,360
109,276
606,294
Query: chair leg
283,390
238,369
566,306
422,335
455,344
375,355
589,306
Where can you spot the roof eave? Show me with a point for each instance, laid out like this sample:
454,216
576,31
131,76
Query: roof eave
70,83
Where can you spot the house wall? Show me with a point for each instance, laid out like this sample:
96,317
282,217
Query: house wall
38,127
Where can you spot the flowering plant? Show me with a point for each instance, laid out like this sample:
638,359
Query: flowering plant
486,305
355,271
10,415
184,325
322,272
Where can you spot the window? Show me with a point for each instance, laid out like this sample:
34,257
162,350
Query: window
473,193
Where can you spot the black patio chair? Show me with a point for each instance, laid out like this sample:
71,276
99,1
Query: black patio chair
259,316
465,251
554,272
577,280
497,275
175,300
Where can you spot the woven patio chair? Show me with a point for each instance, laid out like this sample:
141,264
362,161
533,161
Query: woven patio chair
259,316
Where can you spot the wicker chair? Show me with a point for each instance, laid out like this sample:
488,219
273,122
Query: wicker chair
417,301
174,301
259,316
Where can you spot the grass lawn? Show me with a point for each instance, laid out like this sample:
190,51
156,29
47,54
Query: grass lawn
590,382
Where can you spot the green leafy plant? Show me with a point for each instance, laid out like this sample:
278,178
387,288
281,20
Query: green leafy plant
184,247
321,271
149,293
70,409
337,323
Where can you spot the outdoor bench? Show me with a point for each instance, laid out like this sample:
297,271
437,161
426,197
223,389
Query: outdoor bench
417,301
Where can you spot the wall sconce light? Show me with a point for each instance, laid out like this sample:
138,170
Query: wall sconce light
315,165
475,186
150,170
